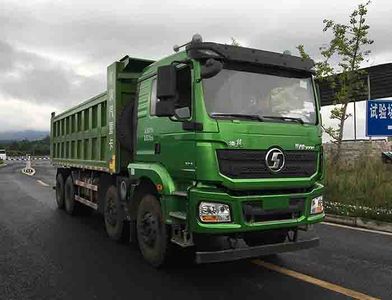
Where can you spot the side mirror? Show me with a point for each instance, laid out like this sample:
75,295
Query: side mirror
166,91
166,83
211,68
165,108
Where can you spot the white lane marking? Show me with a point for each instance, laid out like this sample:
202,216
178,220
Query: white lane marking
357,228
42,183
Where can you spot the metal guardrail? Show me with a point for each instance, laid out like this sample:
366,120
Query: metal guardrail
24,158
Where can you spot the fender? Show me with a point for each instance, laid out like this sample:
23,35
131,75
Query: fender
156,173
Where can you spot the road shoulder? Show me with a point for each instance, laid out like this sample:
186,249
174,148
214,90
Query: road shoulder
359,222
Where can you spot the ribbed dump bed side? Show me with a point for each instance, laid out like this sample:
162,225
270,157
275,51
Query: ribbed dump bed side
79,135
100,133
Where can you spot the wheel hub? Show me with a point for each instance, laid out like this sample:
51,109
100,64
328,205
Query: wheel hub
149,229
111,212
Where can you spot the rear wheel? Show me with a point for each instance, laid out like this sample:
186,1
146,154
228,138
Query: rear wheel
60,190
71,206
114,217
152,234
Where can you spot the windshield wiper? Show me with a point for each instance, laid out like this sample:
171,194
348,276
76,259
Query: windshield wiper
256,117
238,115
298,120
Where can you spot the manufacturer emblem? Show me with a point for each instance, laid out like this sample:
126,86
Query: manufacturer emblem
275,160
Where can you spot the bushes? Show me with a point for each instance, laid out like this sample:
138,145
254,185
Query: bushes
361,189
20,148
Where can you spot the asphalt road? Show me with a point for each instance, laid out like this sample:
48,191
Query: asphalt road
46,254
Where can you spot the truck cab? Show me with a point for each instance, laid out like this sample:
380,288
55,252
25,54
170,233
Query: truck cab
234,136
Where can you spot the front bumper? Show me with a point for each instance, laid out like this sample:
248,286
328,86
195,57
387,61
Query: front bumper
238,222
249,252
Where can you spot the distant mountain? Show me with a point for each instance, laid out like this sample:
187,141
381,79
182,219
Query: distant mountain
30,135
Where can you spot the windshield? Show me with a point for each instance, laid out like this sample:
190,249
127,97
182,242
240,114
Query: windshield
241,93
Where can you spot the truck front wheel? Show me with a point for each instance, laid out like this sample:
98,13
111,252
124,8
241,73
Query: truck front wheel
152,234
60,190
113,215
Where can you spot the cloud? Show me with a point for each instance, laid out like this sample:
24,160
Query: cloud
54,53
23,115
34,78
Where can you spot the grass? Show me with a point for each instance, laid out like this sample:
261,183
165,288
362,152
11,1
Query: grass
1,161
360,189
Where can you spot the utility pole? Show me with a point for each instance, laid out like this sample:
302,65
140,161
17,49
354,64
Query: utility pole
368,86
355,120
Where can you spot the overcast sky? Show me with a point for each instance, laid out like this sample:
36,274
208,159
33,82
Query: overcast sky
54,53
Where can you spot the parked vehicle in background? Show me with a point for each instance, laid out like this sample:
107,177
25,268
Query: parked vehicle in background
213,141
3,154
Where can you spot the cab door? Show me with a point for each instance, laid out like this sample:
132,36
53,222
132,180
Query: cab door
164,139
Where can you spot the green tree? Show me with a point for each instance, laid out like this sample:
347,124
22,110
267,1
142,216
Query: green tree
347,50
234,42
38,147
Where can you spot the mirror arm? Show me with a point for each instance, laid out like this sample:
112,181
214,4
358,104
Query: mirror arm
174,119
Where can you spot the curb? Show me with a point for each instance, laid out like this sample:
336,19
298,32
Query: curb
3,165
359,222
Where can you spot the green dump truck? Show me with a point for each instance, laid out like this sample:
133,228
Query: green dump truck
215,142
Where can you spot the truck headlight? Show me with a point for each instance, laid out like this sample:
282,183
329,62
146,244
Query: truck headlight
317,205
210,212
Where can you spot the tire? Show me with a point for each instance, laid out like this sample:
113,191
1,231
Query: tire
115,226
267,237
71,206
152,233
125,126
60,191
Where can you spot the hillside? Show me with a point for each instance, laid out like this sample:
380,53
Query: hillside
16,148
30,135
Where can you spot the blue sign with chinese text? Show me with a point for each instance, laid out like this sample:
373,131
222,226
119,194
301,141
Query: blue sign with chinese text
379,118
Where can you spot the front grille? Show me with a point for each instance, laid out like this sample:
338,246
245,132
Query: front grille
254,211
251,164
282,190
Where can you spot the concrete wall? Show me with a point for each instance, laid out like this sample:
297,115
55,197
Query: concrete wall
350,150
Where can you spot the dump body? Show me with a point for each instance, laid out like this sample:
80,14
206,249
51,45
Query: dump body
87,135
80,136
